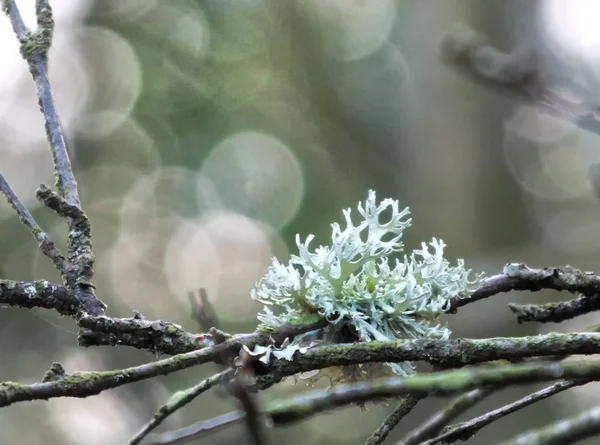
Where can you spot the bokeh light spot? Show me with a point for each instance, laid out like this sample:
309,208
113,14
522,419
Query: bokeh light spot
550,159
352,29
573,232
574,24
224,253
117,78
257,175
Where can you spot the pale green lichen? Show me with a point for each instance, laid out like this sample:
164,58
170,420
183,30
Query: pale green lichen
363,294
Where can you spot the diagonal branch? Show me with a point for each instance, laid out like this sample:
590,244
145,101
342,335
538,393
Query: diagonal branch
79,271
465,430
439,420
197,430
177,401
294,409
518,75
406,405
45,244
85,384
563,432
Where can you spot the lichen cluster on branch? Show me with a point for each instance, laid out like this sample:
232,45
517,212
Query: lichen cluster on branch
355,285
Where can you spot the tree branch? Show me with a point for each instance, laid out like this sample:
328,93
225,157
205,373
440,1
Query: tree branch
85,384
450,353
89,383
179,400
563,432
40,294
169,338
518,276
439,420
45,244
466,430
556,312
406,405
34,49
518,75
78,271
154,335
301,407
197,430
298,408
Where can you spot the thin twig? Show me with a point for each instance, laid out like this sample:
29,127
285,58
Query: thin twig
59,204
197,430
80,270
406,405
177,401
85,384
203,311
45,244
237,386
439,420
556,312
562,432
518,276
34,49
465,430
255,423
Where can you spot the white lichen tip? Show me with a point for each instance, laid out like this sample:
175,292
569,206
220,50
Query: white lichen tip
353,283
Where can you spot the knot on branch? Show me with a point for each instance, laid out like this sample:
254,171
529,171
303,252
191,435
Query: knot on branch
55,373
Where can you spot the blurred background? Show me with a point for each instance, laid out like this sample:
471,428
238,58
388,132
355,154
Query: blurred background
205,134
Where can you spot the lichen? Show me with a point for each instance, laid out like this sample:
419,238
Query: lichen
362,292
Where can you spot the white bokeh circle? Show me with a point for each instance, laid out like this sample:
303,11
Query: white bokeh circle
256,174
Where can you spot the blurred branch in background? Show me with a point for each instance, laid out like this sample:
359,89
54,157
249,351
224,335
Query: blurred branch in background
439,420
520,75
464,430
406,405
567,431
